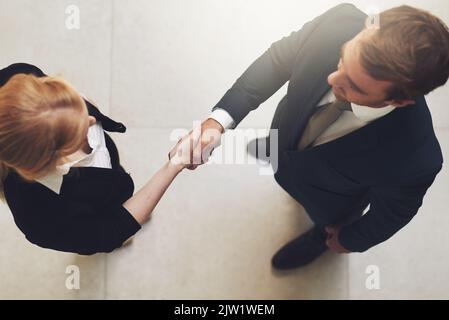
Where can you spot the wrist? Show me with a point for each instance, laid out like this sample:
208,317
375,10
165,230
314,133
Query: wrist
211,122
174,166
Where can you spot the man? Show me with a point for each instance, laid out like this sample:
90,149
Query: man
352,137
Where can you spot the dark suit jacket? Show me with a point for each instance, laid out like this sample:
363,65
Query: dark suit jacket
389,164
87,216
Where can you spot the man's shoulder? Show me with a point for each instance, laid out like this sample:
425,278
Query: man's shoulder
344,13
346,8
336,25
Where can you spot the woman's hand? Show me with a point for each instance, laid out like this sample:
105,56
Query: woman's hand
197,146
187,151
143,202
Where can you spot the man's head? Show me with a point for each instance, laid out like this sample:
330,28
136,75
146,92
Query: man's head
405,57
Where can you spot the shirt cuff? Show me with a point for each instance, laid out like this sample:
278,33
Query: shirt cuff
223,118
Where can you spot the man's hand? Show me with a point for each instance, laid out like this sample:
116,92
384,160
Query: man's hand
332,240
209,136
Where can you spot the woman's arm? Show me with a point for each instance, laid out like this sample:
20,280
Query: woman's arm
143,202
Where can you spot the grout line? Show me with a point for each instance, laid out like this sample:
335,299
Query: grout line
105,277
111,56
111,51
348,281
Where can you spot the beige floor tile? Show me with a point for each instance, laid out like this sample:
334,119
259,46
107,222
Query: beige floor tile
213,235
35,32
172,62
30,272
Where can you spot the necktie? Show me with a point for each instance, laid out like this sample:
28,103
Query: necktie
321,120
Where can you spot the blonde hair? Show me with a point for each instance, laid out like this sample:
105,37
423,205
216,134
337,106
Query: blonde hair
41,120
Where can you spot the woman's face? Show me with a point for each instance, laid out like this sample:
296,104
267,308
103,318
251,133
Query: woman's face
89,121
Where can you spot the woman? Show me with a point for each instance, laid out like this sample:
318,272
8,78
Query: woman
60,172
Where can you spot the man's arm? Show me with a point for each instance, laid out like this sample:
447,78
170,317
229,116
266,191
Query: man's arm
391,208
262,78
266,75
271,70
260,81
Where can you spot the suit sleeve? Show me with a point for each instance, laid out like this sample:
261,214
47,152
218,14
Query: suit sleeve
268,73
87,230
391,208
59,223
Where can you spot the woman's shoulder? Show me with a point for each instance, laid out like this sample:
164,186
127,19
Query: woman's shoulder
21,193
16,68
22,197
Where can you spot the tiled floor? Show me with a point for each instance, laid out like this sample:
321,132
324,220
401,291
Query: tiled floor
159,65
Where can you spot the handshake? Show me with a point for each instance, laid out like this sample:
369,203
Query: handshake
197,146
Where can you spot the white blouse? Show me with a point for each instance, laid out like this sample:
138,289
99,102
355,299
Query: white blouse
99,157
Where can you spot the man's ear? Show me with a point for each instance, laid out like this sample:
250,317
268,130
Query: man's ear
400,103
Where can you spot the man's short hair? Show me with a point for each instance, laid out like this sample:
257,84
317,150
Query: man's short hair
411,49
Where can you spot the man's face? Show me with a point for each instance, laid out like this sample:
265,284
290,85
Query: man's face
352,83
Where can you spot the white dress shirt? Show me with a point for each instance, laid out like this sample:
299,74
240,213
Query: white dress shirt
346,123
99,157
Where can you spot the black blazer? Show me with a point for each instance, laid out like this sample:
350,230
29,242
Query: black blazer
389,164
87,216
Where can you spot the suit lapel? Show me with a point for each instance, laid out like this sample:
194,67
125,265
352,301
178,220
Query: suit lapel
318,57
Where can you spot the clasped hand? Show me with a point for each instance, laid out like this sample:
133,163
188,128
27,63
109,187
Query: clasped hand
197,146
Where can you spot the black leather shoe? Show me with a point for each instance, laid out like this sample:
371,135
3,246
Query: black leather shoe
301,251
259,149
